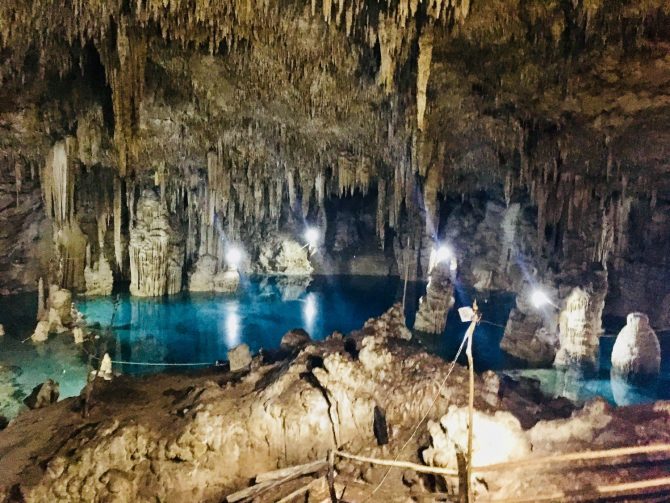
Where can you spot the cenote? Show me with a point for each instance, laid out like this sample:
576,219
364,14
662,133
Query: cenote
189,331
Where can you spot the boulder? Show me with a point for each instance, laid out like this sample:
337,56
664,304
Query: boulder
285,256
296,338
636,353
43,395
239,357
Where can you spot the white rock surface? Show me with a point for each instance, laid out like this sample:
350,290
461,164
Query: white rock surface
99,278
636,351
2,330
239,357
283,255
105,370
78,335
41,332
497,438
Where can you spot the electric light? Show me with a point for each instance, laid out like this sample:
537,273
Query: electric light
538,298
312,236
233,257
443,254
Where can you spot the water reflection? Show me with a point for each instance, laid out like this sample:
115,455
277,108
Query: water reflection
309,312
232,329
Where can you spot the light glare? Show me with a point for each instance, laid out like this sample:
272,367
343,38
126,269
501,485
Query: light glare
443,254
539,298
312,236
233,256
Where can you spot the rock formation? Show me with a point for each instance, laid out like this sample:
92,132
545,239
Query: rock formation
580,322
43,395
155,249
636,353
284,256
205,277
239,357
431,316
2,330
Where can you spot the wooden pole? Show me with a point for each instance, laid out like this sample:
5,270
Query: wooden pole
471,397
400,464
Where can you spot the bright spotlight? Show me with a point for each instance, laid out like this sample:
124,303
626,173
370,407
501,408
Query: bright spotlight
443,254
538,298
233,257
312,236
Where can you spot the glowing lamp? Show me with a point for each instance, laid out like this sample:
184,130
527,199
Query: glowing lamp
312,236
233,257
443,254
539,299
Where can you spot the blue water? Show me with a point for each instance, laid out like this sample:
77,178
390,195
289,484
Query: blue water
201,328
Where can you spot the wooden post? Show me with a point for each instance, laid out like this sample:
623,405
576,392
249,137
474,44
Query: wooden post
471,397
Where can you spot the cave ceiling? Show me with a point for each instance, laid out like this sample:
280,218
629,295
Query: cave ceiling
466,94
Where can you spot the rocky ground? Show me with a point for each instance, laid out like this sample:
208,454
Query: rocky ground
205,436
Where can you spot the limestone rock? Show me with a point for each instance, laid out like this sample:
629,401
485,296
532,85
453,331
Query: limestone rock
156,249
497,438
527,338
295,339
105,371
41,332
636,352
202,277
239,357
226,281
60,300
283,255
435,305
2,330
43,395
389,324
99,278
580,322
78,335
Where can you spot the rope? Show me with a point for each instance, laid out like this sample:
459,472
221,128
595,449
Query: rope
418,425
156,364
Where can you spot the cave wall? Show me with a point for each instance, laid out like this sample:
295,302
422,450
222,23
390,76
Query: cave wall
532,135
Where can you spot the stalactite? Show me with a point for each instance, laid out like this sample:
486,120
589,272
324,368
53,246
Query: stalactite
125,65
58,184
118,222
423,73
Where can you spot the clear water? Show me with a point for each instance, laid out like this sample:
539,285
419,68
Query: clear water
200,328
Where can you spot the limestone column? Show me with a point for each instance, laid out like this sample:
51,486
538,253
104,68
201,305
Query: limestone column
434,306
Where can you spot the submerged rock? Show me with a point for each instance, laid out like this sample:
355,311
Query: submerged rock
43,395
239,357
636,353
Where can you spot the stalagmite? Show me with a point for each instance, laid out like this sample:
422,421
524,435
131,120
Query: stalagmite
156,250
636,353
580,322
435,305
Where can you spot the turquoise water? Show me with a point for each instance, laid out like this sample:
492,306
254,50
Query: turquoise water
200,328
